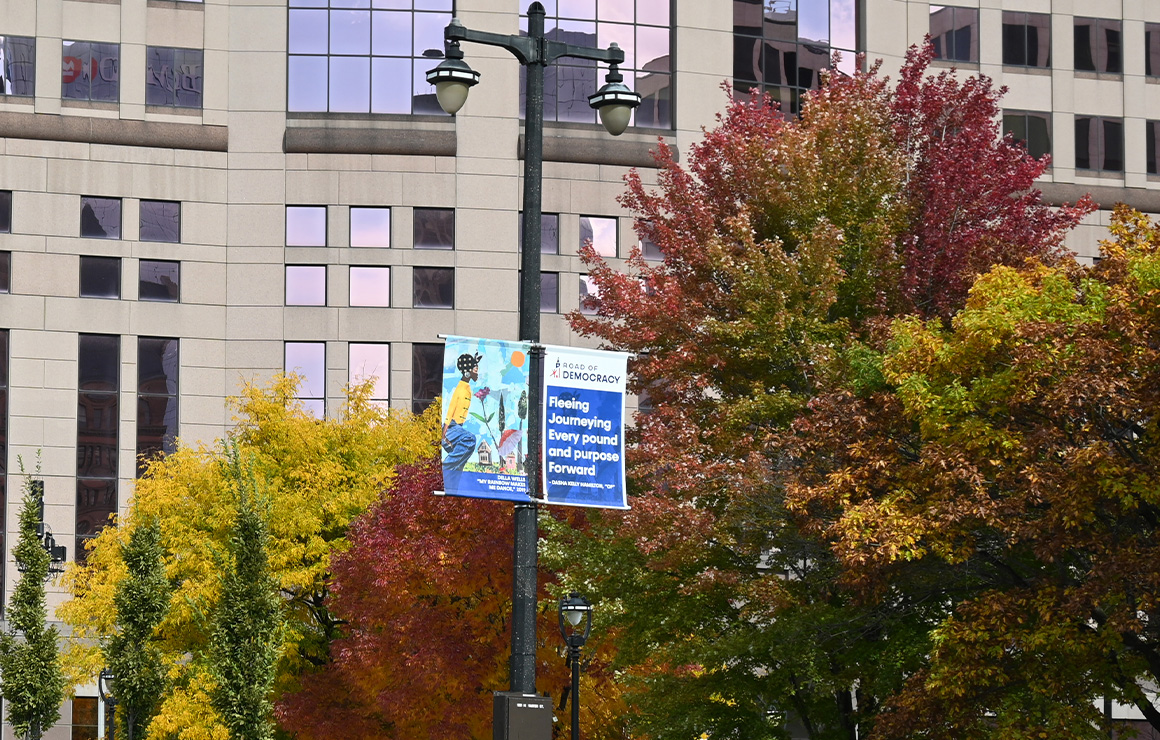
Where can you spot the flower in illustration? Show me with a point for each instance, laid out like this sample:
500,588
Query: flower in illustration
483,393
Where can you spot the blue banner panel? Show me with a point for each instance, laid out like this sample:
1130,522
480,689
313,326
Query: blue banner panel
584,427
485,416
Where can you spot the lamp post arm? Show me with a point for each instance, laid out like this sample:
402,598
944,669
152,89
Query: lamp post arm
524,48
557,49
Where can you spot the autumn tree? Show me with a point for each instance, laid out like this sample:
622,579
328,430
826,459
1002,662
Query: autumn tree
317,476
30,675
788,244
425,591
133,654
1015,453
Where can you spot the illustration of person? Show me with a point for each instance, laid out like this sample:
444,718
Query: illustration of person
459,443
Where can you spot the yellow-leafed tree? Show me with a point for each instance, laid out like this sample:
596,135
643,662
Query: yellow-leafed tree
318,475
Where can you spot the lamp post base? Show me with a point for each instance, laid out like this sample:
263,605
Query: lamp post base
521,716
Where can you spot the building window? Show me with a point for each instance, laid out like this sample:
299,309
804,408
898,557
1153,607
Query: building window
434,228
1026,39
308,361
433,287
91,71
157,372
305,285
371,362
1098,45
98,420
954,33
159,280
101,217
1153,132
601,231
5,272
348,58
1032,130
306,226
640,27
370,286
160,221
84,718
1152,49
549,292
1099,144
5,211
173,77
549,232
649,250
100,277
17,65
781,48
426,375
589,294
370,227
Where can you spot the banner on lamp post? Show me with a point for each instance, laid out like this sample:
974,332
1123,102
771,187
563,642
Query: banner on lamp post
583,442
485,418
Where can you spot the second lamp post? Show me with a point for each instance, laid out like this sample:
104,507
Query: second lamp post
615,103
573,610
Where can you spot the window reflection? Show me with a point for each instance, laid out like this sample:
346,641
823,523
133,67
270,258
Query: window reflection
370,227
601,231
954,32
5,211
157,393
306,226
426,375
98,422
1099,144
173,77
434,287
100,217
549,292
91,71
160,280
1152,49
160,221
1098,45
5,272
589,294
305,285
1032,130
17,65
308,361
100,277
434,228
549,233
371,362
370,286
1026,39
1152,132
84,718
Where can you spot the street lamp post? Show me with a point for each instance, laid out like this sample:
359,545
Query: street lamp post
573,610
105,688
615,102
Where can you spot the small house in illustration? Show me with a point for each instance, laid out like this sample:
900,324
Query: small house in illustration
484,453
511,461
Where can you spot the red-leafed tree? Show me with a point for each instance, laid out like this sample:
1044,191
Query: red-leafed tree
425,593
787,244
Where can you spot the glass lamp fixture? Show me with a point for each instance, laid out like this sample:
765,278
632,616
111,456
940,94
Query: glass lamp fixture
453,78
614,101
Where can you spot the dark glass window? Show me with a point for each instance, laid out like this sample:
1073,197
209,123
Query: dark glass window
5,272
1152,49
101,217
640,27
84,718
1098,45
308,360
160,280
549,292
157,372
1026,39
91,71
426,375
160,221
434,287
549,232
100,277
782,48
306,226
347,57
1032,130
5,211
1153,133
434,228
955,33
173,77
305,285
98,420
17,65
1099,144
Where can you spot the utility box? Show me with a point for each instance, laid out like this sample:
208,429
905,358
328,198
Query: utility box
521,716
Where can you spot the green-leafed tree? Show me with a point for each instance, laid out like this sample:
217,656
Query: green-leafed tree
133,654
31,681
244,646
